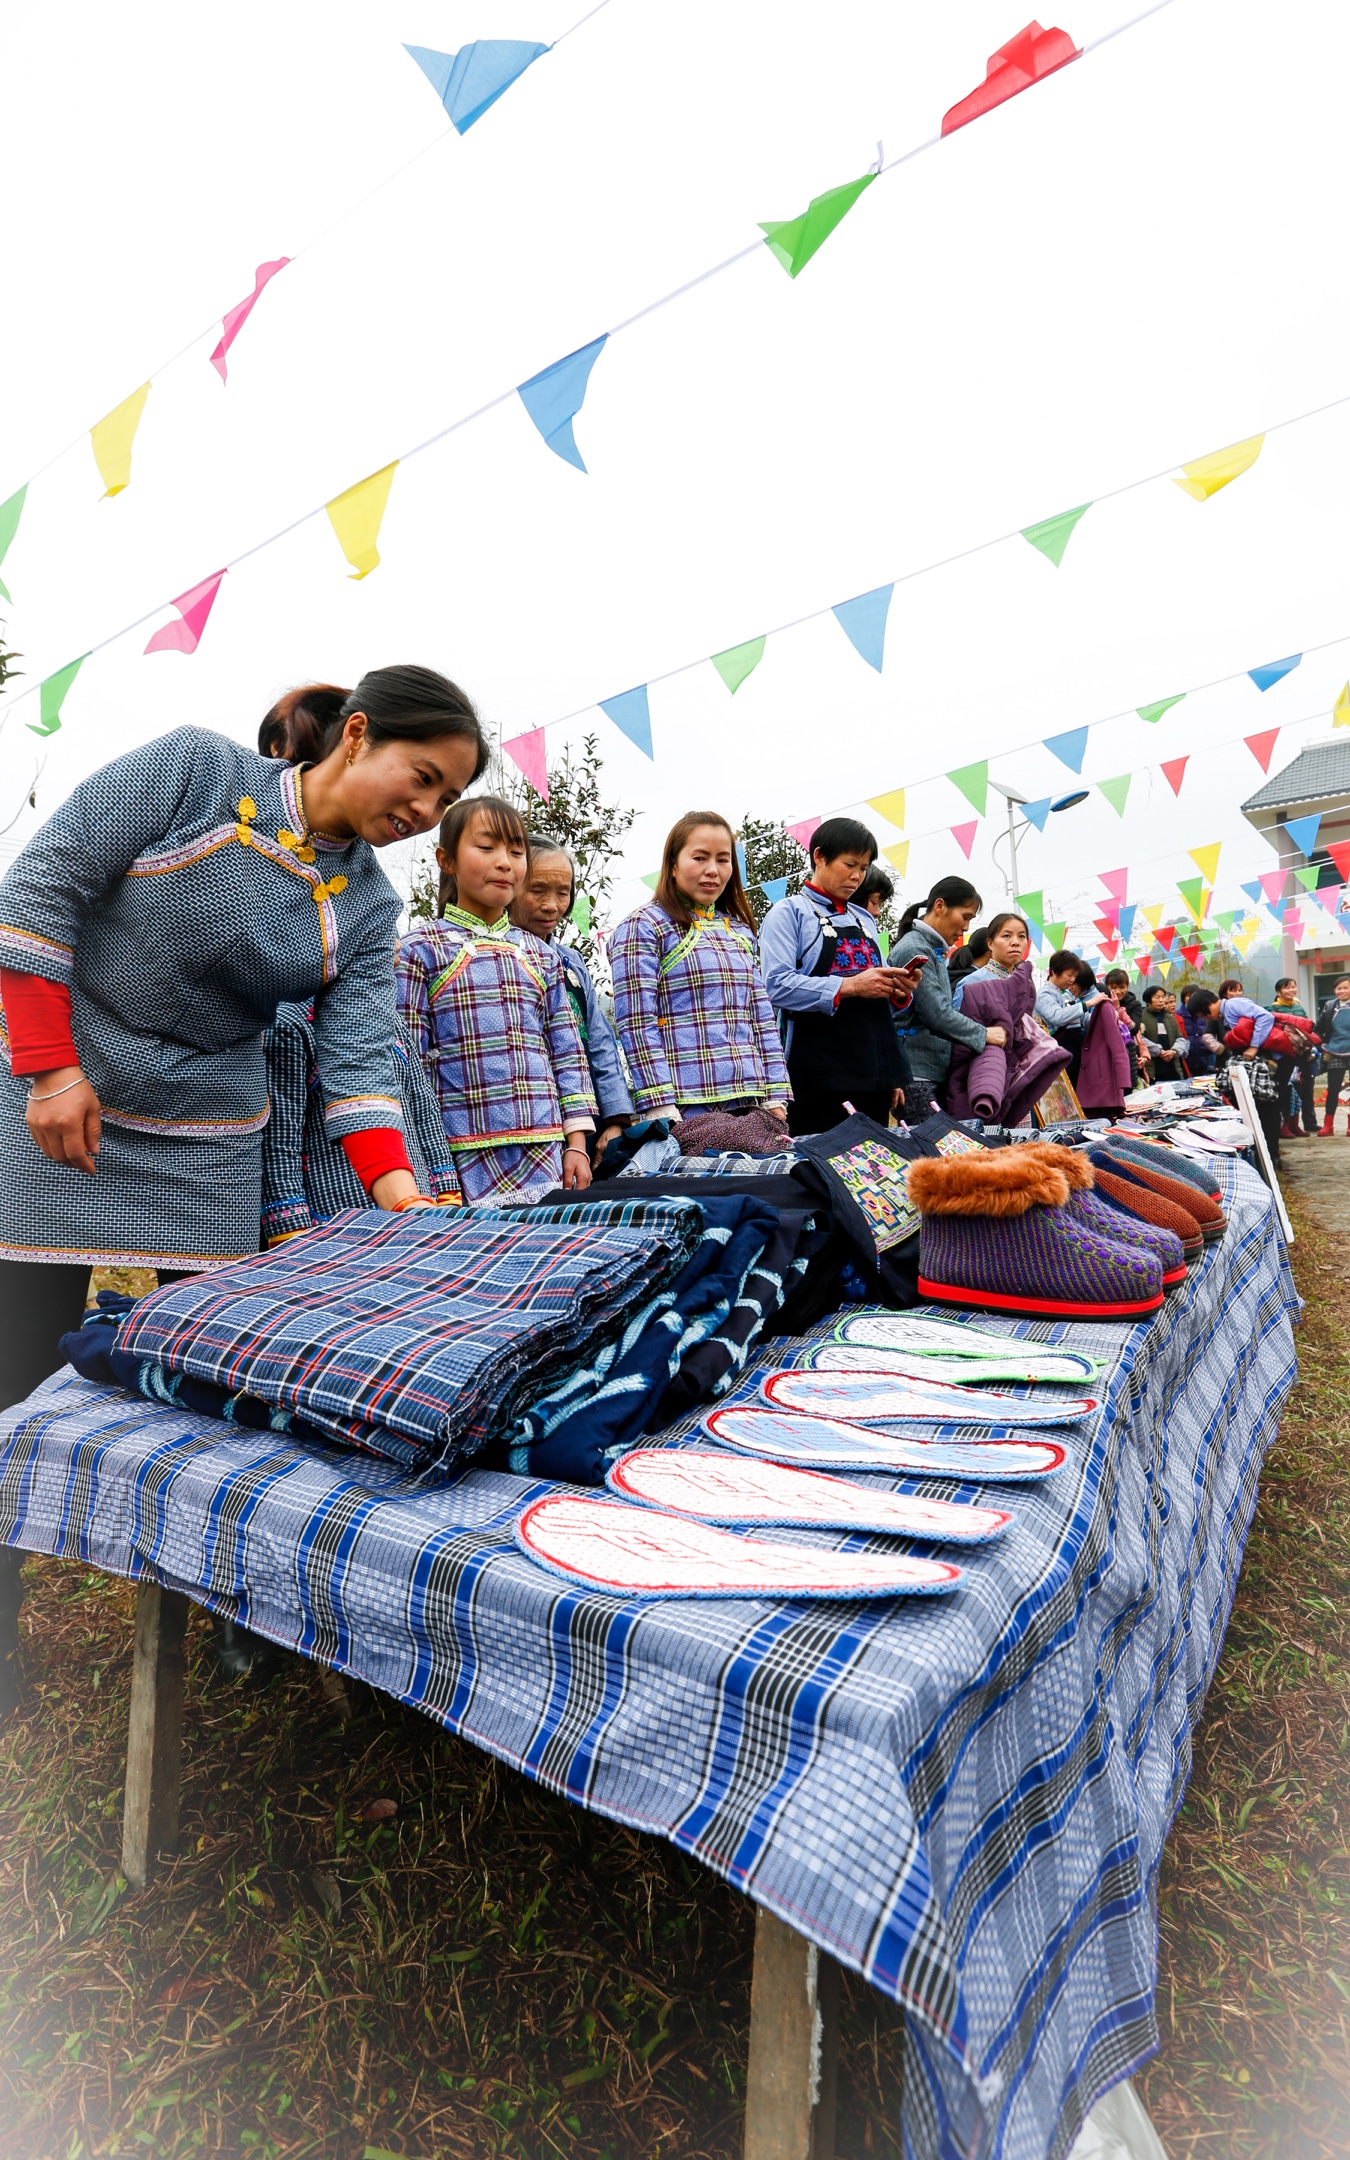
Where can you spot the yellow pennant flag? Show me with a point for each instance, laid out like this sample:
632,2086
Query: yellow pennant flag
1163,968
891,807
355,517
1206,860
1153,916
1206,475
112,438
1340,711
898,856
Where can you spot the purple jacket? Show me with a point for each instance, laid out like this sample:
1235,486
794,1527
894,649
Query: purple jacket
1104,1070
1001,1084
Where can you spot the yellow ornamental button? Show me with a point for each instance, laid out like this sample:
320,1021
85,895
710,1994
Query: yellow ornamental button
243,836
247,807
286,838
337,884
304,854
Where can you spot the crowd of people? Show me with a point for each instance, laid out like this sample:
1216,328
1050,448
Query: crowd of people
207,1002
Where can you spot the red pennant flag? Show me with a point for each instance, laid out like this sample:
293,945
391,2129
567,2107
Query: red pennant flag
1143,963
1174,771
1103,928
527,751
1109,948
1261,747
1191,954
1165,937
1026,59
964,836
1340,855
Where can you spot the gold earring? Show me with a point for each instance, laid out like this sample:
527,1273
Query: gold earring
351,757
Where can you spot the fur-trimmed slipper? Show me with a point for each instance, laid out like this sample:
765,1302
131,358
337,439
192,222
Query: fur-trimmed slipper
1003,1182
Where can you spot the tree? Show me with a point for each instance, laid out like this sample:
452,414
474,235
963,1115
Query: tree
770,852
576,815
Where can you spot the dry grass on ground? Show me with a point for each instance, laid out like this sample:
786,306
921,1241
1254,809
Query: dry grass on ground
1254,1910
489,1971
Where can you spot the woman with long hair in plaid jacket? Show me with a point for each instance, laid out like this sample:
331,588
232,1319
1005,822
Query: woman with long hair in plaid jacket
487,1007
690,1005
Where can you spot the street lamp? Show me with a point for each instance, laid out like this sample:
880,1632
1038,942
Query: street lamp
1015,801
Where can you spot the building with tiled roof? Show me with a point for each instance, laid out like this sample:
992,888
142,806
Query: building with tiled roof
1316,784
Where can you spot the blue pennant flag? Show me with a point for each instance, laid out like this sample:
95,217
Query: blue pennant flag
1303,832
631,716
1254,892
741,864
1069,748
1036,813
1127,915
774,889
1274,671
554,397
1037,936
863,622
468,81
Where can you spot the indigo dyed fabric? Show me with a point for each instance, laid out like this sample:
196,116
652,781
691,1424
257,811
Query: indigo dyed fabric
414,1336
965,1800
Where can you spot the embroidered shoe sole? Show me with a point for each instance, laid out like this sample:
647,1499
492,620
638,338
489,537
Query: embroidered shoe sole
1038,1308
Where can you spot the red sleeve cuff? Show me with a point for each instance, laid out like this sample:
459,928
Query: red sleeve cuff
37,1014
373,1153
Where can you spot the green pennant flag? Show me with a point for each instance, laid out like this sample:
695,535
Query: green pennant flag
652,880
1229,917
1032,905
795,240
1153,713
1055,934
1308,878
1192,892
973,781
10,513
581,913
1115,792
1052,535
738,661
51,695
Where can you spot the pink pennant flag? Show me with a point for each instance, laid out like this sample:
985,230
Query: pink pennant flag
194,607
801,832
1174,772
528,753
1110,912
1116,882
238,316
964,836
1272,884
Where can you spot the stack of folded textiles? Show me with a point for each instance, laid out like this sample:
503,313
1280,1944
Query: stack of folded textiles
416,1337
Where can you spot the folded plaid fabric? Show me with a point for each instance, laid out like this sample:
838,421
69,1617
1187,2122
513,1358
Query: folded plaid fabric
413,1336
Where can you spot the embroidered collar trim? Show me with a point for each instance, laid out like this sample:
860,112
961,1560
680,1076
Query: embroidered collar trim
463,920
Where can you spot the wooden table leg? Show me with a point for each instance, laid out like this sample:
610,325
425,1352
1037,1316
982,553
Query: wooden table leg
155,1733
11,1595
794,2036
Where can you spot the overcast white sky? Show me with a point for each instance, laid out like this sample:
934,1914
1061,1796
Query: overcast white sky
1135,263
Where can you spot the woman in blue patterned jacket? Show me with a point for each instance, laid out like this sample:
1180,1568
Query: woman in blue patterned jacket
148,934
487,1008
690,1005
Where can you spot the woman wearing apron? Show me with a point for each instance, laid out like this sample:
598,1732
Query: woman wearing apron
148,934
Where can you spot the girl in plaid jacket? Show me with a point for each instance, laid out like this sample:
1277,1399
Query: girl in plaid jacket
487,1008
690,1005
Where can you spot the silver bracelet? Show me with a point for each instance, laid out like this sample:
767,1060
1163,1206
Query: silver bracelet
52,1093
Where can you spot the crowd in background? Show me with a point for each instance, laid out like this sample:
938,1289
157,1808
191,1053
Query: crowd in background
521,1074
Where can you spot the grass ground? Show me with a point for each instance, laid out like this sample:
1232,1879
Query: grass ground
377,1942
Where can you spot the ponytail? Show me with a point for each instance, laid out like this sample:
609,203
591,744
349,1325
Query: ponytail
951,891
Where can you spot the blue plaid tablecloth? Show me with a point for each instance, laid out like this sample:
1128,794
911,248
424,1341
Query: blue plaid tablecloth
964,1798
